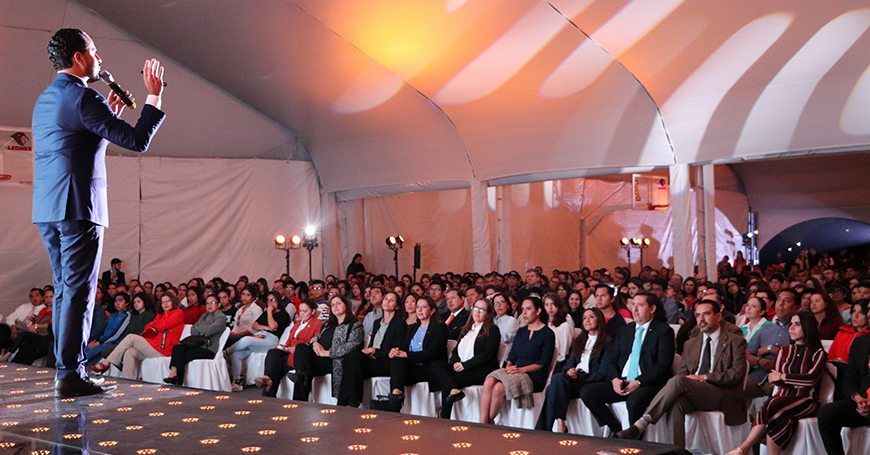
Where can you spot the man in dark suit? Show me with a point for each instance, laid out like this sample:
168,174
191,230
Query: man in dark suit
854,411
72,126
457,315
710,378
639,365
114,275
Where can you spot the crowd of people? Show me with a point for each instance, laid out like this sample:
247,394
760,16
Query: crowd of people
596,335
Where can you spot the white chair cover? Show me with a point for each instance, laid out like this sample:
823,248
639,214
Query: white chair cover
420,401
374,387
468,408
210,374
321,390
155,369
255,365
580,420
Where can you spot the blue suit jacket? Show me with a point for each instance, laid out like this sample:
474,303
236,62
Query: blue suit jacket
72,126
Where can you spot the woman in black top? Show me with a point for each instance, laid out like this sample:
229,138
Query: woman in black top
423,350
584,365
333,350
265,333
388,332
475,356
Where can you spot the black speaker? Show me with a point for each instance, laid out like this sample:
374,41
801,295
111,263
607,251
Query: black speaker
417,256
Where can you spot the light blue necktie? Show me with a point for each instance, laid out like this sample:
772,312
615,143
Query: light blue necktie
634,360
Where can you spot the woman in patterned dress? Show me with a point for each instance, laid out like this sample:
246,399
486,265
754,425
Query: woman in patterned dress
797,377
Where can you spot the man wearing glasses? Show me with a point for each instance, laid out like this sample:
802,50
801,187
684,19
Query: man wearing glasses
436,291
317,292
762,350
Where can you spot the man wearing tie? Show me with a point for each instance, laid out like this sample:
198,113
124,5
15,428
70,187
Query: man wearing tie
72,126
710,378
458,315
640,365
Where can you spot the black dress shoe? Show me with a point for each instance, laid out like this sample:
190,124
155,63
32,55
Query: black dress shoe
455,397
175,380
631,432
78,387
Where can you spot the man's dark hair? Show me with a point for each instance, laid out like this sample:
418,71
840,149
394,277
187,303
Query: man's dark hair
64,45
116,261
39,290
716,307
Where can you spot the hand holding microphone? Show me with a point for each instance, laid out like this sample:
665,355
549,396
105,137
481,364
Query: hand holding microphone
153,78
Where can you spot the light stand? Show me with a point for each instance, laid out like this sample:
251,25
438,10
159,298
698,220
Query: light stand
395,243
309,241
627,244
281,244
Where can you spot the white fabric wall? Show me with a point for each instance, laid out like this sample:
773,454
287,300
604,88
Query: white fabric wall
212,217
544,224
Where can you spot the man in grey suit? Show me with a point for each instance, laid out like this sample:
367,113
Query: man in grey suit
72,126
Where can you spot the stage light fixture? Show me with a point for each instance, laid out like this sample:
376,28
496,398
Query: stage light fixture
394,243
624,241
391,241
279,240
310,231
295,240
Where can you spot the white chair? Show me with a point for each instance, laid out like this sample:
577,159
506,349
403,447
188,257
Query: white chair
210,374
808,441
155,369
513,416
254,365
660,431
419,401
468,409
321,390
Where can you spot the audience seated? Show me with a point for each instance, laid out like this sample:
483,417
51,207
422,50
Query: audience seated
854,410
457,313
838,355
114,331
584,366
608,362
797,376
504,319
247,314
279,361
203,342
158,339
332,351
423,351
527,366
265,332
475,356
709,378
388,333
562,325
195,307
639,367
826,314
762,351
756,309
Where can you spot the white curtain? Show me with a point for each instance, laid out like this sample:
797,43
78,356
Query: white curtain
195,217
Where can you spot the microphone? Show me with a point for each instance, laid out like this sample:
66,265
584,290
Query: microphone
106,77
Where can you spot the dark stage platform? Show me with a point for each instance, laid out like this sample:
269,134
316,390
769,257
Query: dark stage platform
142,418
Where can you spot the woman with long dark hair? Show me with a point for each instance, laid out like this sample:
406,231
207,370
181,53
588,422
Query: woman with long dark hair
388,332
583,366
527,366
605,300
826,314
797,375
475,356
279,361
330,352
562,325
424,346
265,333
157,340
210,327
503,318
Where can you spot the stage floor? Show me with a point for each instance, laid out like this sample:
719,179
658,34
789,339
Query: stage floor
140,418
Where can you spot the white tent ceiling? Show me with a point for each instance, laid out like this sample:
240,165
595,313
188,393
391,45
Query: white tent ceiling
442,92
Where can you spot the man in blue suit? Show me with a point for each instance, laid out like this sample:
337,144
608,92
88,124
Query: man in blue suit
72,126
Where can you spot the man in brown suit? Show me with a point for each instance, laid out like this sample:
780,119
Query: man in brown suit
710,378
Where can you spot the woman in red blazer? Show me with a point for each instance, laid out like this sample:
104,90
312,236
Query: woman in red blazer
158,339
279,361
